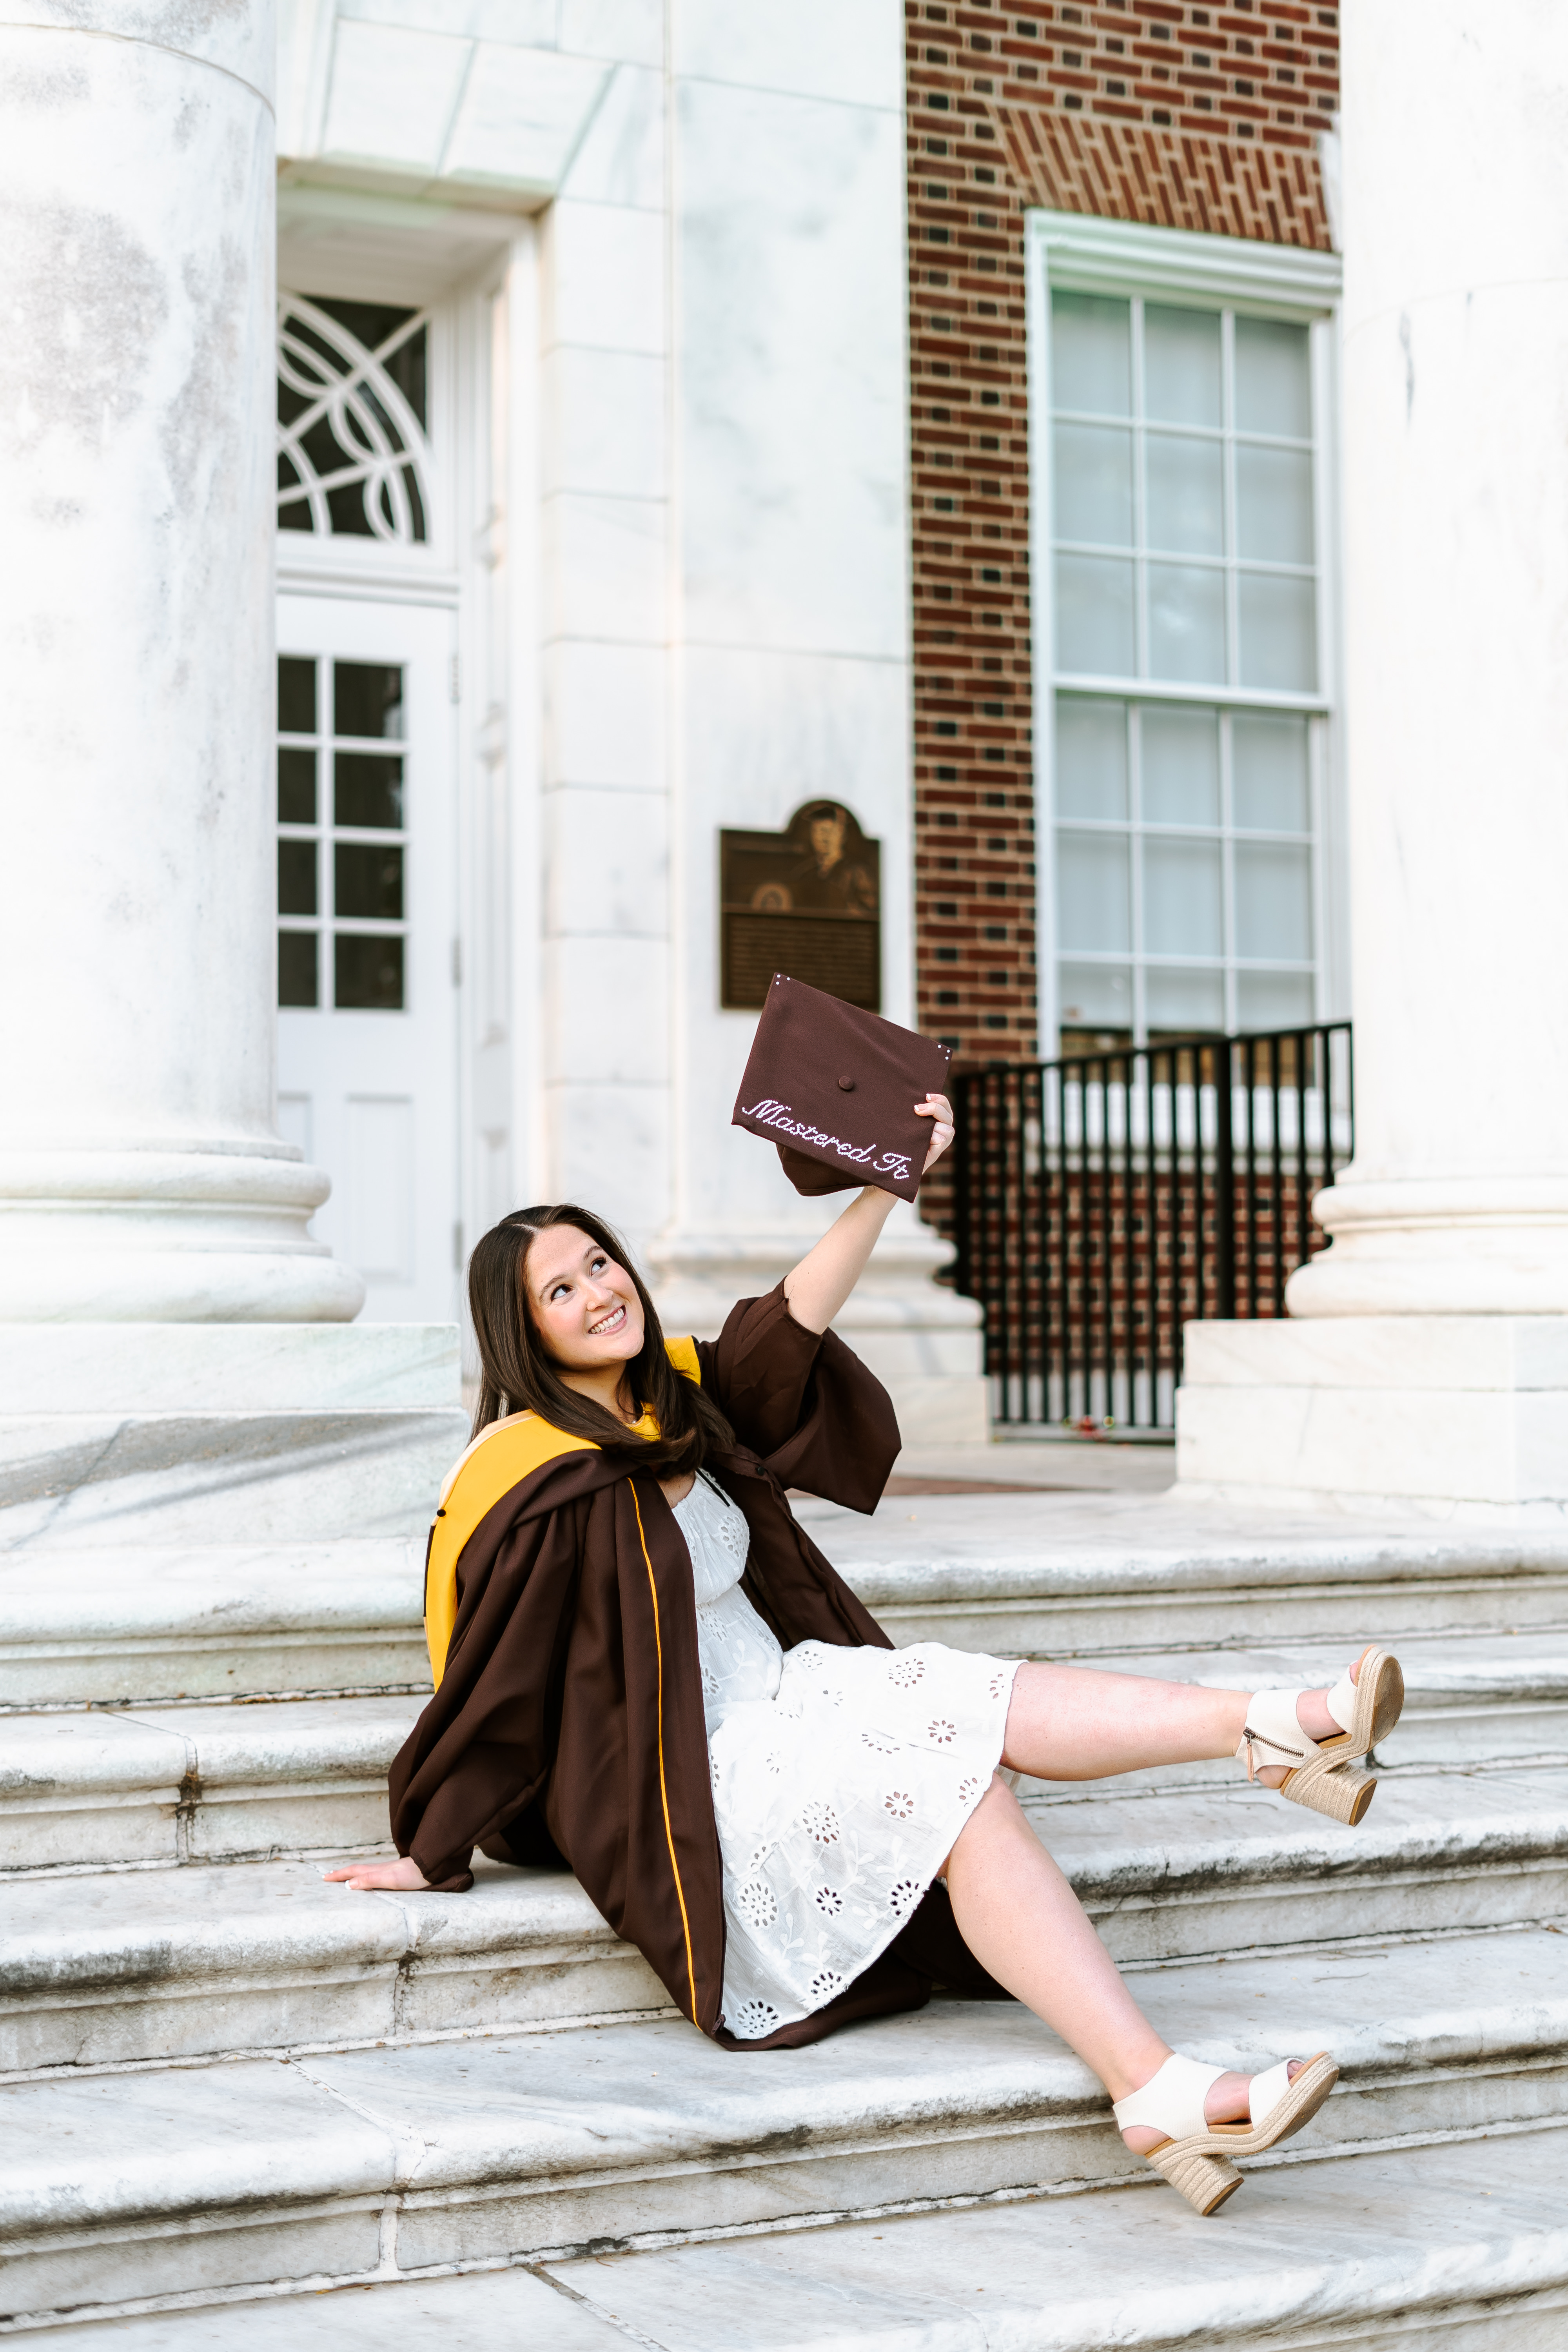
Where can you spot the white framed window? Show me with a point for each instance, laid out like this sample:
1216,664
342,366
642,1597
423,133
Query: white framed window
1180,400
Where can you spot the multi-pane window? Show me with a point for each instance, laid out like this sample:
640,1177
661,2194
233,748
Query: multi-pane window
341,834
1186,667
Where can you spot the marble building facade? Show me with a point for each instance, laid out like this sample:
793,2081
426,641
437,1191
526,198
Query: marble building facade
594,508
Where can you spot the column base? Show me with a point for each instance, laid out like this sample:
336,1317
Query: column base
922,1342
1452,1416
204,1235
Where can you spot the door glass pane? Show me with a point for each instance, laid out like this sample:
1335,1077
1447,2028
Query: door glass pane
1186,503
368,972
1097,993
367,789
1273,900
1186,622
297,982
1273,1000
1094,616
1181,897
1091,758
1274,503
1092,479
296,696
1181,364
1181,766
367,699
296,787
1093,900
1277,622
1091,347
368,881
1183,999
1269,790
297,877
1273,388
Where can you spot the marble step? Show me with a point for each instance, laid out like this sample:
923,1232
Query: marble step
135,1966
191,1784
1385,2252
151,2183
105,1623
1194,1870
1069,1576
145,1622
207,1782
129,1967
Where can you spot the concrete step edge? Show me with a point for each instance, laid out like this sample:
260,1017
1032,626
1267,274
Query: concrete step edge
585,2112
1347,2251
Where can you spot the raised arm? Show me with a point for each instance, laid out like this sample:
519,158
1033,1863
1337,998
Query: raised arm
818,1286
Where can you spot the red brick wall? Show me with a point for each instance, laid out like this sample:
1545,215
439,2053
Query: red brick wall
1165,114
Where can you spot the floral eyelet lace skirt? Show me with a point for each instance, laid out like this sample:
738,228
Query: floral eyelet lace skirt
837,1802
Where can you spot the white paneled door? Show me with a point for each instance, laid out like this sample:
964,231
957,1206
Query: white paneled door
367,962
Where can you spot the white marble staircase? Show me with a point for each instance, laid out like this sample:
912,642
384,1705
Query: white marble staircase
235,2101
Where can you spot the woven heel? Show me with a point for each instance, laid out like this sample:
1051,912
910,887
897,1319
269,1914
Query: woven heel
1344,1795
1206,2181
1196,2156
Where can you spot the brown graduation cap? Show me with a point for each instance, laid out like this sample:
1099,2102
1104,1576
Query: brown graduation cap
836,1088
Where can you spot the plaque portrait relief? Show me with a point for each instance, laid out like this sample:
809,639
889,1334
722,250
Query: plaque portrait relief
806,901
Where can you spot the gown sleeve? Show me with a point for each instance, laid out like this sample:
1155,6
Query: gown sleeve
481,1750
803,1402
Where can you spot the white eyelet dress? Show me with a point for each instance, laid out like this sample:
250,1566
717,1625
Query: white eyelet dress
841,1778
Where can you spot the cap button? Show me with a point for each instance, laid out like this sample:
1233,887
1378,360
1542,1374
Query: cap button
846,1086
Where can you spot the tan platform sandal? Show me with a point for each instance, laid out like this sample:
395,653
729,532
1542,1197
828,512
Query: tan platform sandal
1196,2157
1320,1771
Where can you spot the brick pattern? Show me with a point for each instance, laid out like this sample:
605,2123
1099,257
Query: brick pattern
1162,113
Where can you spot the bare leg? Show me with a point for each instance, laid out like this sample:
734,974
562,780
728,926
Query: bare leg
1021,1919
1072,1723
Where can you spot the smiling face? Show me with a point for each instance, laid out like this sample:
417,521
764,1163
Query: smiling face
584,1305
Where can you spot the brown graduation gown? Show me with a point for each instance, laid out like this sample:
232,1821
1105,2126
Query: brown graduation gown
569,1721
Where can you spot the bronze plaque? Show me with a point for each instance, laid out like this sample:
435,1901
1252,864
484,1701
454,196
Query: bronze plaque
806,901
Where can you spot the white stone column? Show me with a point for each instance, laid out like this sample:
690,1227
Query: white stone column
1431,1362
139,1175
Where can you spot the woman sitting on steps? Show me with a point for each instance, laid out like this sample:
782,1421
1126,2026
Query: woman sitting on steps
644,1668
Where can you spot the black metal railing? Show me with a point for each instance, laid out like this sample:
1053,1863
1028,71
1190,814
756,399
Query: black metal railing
1101,1203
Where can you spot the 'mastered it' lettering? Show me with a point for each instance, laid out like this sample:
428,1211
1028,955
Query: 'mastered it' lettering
781,1117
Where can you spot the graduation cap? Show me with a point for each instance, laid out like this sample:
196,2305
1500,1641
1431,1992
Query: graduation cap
834,1088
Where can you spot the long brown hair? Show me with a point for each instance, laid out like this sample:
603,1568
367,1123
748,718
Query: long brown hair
518,1373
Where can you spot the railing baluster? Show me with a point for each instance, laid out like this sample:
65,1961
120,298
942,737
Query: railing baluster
1277,1156
1058,1326
1078,1198
1225,1184
1303,1163
1129,1262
